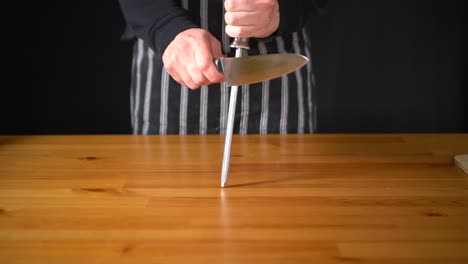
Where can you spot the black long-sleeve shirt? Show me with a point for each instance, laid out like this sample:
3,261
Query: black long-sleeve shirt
158,22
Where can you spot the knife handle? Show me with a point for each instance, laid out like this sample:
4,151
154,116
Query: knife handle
242,43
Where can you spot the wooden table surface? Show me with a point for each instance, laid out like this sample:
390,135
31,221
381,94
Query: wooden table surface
291,199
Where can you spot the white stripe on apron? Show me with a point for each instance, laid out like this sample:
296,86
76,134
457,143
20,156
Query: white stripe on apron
132,88
183,110
265,96
310,83
284,92
149,84
223,108
300,95
138,86
244,118
164,97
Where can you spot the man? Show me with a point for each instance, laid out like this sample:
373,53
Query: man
176,88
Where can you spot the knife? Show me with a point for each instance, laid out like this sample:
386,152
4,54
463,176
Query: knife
253,69
246,70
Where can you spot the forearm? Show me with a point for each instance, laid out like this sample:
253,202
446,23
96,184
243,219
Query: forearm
157,22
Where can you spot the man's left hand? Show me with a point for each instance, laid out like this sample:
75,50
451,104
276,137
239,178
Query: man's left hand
251,18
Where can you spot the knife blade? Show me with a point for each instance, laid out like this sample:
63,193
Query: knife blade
253,69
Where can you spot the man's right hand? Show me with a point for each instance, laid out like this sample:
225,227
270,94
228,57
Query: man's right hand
189,58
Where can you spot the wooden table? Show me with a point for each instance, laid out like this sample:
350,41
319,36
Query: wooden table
292,199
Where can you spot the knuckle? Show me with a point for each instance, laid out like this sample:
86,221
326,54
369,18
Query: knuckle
228,5
204,33
227,29
169,67
199,80
232,31
181,47
229,18
171,64
177,79
204,65
190,84
166,57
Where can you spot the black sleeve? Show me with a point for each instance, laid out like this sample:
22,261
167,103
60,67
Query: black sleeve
295,14
157,22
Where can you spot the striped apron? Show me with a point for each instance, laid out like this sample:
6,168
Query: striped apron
160,105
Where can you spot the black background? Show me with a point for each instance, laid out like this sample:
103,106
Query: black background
381,66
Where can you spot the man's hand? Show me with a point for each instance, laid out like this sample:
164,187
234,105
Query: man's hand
251,18
189,58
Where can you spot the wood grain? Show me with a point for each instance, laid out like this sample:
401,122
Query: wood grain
291,199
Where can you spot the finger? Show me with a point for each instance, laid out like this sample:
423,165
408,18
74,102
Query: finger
242,18
217,52
204,59
216,49
172,68
195,72
249,5
240,5
209,71
187,78
243,31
